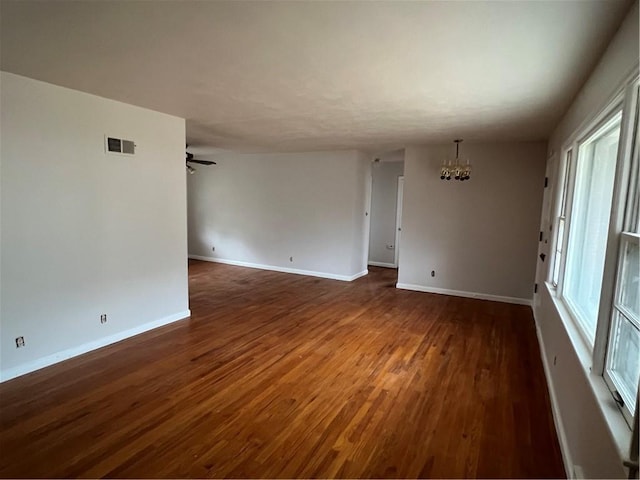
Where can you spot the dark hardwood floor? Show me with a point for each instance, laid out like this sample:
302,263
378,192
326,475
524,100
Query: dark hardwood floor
279,375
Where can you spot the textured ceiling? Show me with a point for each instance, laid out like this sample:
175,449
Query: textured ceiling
283,76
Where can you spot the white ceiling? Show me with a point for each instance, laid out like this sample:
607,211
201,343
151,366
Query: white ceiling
286,76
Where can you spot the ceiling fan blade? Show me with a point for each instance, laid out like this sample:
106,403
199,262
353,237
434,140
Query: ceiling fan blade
202,162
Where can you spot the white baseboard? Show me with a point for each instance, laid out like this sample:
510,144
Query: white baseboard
382,264
460,293
273,268
42,362
358,275
555,410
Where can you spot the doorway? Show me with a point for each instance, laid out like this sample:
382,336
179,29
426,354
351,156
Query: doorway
387,191
399,197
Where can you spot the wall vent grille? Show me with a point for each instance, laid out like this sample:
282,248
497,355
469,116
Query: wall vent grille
119,146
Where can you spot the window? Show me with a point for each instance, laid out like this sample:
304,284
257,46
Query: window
591,208
596,258
561,221
622,367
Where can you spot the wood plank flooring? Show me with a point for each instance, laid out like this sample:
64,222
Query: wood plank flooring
279,375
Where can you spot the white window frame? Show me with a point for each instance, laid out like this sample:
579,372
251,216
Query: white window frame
611,112
624,238
622,195
565,170
625,193
625,223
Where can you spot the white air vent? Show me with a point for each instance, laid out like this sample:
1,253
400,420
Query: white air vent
119,146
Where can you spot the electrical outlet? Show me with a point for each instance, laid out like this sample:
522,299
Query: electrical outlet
291,259
19,342
103,318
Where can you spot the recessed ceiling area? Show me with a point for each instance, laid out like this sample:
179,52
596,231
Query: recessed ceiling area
293,76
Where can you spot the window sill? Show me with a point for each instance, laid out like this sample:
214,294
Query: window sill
618,429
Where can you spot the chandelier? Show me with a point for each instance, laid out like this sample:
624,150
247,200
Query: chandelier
454,168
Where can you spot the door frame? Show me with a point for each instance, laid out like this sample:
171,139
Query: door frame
399,201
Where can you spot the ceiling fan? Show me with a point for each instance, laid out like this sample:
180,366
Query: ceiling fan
190,159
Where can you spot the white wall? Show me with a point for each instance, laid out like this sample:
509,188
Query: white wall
85,233
383,211
261,209
586,425
480,236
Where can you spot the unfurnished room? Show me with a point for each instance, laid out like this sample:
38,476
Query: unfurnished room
319,239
